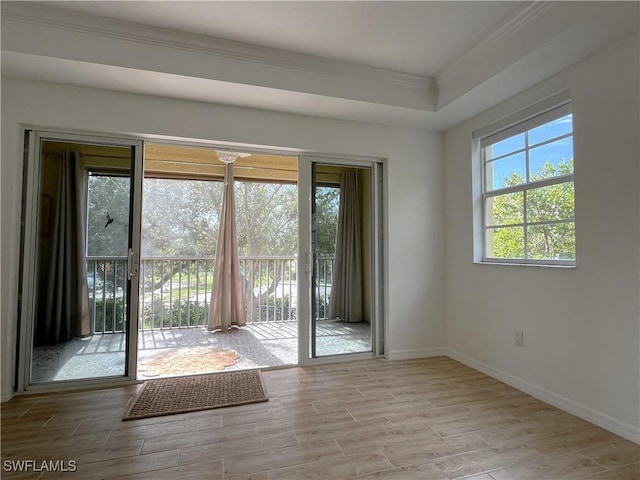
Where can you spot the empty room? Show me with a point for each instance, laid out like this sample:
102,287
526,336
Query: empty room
329,240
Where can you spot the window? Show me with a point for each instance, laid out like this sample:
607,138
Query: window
528,191
108,198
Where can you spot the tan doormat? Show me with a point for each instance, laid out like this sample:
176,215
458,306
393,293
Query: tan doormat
188,361
198,392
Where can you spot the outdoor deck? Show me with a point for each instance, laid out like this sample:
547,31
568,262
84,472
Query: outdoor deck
173,309
257,345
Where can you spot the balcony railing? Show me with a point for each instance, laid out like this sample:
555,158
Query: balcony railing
175,291
106,281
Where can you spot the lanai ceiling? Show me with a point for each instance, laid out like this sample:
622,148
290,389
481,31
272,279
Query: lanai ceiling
178,161
422,64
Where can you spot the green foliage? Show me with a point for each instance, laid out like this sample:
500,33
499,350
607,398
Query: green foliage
176,313
180,217
266,218
327,203
544,204
508,242
112,312
278,308
154,314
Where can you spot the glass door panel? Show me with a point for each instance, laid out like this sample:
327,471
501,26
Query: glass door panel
79,316
342,283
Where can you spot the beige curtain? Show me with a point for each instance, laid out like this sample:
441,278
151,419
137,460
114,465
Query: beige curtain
346,288
63,299
227,300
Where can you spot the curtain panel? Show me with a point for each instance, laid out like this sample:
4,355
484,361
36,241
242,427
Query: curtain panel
63,298
227,299
346,290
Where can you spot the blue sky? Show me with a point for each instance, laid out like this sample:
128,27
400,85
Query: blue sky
554,151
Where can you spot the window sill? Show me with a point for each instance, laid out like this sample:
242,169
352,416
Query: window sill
519,264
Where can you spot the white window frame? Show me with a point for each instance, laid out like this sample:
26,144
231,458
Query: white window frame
544,112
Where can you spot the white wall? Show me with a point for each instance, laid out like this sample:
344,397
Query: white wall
581,326
416,265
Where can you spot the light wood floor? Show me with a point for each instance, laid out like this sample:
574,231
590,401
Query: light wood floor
431,419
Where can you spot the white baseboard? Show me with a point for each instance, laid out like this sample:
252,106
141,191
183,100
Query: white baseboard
625,430
417,353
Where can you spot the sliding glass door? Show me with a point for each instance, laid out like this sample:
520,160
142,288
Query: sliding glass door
79,274
79,286
342,251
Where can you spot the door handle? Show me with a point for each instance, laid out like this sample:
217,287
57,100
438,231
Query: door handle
307,261
132,264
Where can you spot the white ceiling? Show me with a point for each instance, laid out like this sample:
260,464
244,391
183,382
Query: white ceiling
420,64
411,37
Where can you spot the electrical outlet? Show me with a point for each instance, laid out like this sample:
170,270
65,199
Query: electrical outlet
518,338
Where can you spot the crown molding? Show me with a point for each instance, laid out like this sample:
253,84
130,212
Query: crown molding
511,27
48,44
537,43
41,14
481,54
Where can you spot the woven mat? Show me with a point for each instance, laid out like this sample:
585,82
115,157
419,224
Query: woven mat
198,392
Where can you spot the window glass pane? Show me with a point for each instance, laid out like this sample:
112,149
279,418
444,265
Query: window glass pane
554,241
505,242
505,209
506,172
553,202
551,160
504,147
108,215
550,130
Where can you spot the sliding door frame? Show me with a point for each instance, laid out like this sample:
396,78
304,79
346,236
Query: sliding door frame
31,177
26,309
306,350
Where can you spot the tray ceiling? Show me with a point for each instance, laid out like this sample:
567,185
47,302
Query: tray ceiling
421,64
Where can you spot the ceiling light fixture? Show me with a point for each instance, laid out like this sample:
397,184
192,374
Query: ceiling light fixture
230,157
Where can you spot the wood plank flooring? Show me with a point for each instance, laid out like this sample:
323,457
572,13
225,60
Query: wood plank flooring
428,419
